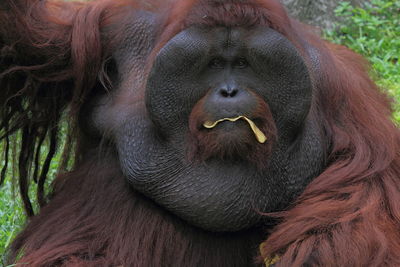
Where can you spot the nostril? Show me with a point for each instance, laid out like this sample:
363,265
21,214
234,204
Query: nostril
228,92
224,93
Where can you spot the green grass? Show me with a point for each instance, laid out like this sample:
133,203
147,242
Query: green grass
373,32
12,215
11,218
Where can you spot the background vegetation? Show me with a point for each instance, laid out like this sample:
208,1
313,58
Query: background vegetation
373,31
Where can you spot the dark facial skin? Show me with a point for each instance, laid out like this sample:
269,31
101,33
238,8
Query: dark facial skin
226,72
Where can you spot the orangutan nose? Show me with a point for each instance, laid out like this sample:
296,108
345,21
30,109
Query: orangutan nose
230,100
228,91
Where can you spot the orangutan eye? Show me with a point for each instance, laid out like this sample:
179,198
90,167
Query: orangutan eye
217,63
240,63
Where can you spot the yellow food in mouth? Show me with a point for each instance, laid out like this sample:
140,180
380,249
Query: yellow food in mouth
260,136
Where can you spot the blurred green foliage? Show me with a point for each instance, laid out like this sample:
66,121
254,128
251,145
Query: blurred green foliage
373,31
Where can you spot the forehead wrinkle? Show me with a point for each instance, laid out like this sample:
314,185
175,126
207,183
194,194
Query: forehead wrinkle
231,44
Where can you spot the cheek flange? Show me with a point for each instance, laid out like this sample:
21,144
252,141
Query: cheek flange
260,136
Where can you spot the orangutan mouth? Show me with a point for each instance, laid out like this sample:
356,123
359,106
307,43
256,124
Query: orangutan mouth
260,136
